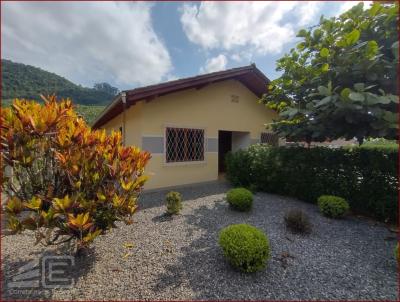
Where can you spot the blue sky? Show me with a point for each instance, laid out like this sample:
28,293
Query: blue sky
136,44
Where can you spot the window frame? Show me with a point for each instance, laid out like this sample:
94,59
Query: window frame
180,163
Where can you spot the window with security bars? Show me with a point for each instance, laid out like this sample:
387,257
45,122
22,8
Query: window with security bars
269,138
184,145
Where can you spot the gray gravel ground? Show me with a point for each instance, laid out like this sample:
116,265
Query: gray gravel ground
179,258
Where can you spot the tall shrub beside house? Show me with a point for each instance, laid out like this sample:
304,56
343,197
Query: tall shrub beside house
68,182
366,178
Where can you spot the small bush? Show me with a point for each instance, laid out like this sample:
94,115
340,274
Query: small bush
332,206
245,247
240,199
397,253
174,203
297,221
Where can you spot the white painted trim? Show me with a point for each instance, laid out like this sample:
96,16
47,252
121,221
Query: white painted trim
185,163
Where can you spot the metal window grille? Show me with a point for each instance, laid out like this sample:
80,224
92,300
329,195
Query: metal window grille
269,138
184,144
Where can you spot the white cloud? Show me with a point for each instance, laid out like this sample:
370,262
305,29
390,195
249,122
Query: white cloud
236,57
171,77
346,5
242,56
308,12
86,42
263,26
215,64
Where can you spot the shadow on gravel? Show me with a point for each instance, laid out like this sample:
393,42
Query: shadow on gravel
342,259
162,218
203,266
157,198
35,279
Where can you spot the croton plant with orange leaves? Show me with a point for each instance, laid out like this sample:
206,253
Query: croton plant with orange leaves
68,182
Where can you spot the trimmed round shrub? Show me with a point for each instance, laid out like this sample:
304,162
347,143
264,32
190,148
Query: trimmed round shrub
298,222
174,202
332,206
245,247
240,199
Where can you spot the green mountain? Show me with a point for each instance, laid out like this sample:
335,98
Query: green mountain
25,81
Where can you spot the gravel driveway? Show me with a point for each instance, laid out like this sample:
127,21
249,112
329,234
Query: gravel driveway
179,259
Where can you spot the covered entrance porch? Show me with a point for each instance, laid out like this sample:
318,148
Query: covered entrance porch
230,141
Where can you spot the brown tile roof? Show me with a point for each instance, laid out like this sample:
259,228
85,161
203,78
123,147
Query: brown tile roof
250,76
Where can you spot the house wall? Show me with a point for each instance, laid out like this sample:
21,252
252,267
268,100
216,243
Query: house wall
133,119
210,108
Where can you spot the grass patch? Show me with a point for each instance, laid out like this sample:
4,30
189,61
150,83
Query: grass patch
89,112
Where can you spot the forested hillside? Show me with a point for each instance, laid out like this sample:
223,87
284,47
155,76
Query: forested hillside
25,81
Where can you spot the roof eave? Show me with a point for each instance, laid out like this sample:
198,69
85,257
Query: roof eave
110,106
145,92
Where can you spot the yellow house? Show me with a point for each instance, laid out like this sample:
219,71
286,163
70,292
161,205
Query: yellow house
188,125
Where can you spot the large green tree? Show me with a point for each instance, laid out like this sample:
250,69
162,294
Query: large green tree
341,79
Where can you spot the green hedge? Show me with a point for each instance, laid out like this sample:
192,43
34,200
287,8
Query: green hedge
366,178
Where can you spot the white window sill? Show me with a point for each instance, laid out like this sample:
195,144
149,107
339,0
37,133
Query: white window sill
185,163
